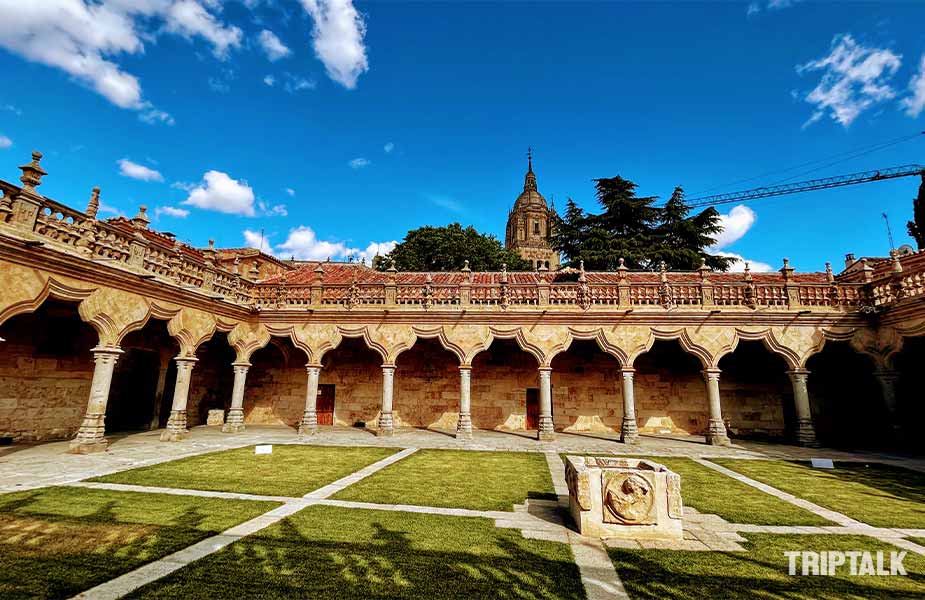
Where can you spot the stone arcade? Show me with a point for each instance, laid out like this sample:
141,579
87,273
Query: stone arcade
109,325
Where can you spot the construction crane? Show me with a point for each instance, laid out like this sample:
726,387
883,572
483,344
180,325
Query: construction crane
809,185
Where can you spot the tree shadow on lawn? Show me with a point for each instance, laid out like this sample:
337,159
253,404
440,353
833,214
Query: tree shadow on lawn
896,481
56,556
389,564
678,575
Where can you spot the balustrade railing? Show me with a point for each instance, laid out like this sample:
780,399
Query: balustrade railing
138,248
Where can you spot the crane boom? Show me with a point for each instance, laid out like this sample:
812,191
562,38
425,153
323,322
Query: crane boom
812,184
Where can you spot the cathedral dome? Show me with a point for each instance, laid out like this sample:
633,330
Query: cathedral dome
530,197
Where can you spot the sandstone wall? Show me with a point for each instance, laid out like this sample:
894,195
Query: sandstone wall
275,392
45,373
426,388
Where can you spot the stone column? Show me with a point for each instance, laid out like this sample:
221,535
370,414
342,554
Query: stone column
716,430
464,424
546,432
629,434
385,415
176,425
159,391
235,421
806,434
91,437
887,380
309,424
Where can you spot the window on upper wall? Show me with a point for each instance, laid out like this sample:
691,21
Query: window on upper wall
536,228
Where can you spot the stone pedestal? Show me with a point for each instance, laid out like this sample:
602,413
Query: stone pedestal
624,498
216,417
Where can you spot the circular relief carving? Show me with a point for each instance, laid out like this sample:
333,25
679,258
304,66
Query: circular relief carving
629,498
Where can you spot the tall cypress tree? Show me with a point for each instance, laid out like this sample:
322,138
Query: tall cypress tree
916,226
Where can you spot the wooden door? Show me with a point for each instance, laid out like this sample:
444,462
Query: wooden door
533,408
325,404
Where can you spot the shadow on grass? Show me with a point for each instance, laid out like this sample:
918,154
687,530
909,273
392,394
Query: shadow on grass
391,562
896,481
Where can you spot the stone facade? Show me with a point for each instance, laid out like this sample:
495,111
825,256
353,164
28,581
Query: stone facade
529,226
588,351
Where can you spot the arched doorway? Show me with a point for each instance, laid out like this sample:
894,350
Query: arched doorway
757,393
670,391
426,387
505,388
587,391
351,384
45,372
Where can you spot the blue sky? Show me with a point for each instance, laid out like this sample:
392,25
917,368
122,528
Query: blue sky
334,126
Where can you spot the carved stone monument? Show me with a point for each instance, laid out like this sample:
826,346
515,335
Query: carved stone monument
624,498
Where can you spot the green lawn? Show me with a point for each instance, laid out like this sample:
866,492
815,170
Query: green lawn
879,495
292,470
458,479
709,491
762,572
331,552
56,542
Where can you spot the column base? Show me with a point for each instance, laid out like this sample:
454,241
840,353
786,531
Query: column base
88,446
716,434
384,426
546,432
629,433
806,435
233,428
176,427
309,424
464,427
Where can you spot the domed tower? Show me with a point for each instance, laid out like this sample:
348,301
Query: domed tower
529,225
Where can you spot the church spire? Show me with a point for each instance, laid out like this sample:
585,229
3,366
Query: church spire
530,179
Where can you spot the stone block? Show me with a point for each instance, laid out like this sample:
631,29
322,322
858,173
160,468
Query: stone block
216,417
624,498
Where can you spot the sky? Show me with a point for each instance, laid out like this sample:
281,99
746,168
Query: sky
328,128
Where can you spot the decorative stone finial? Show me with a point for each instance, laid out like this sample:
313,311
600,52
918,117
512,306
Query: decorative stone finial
93,206
748,272
829,276
704,269
897,265
32,173
392,268
466,268
141,220
786,270
581,265
211,244
503,272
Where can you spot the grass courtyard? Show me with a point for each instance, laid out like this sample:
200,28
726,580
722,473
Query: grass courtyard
56,542
879,495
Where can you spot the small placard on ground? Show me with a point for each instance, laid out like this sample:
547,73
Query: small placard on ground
268,449
820,463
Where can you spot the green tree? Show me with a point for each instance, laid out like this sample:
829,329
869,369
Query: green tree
447,248
683,239
916,226
632,228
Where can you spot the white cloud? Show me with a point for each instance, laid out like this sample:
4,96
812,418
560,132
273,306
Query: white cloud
83,38
171,211
272,46
754,266
303,244
269,80
190,19
290,191
277,210
388,147
338,39
294,83
5,142
753,8
915,103
854,78
256,239
735,223
136,171
359,163
16,111
221,193
444,202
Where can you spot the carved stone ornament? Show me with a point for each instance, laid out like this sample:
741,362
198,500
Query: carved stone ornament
629,498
